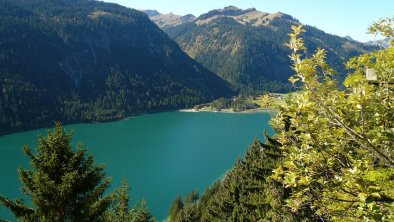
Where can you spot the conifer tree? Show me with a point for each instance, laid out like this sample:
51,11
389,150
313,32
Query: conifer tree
190,213
177,206
143,214
246,193
189,210
120,211
192,197
63,183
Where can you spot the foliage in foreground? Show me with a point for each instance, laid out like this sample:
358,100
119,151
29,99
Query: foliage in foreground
64,184
339,144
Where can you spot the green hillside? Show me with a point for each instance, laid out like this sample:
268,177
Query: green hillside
246,47
81,60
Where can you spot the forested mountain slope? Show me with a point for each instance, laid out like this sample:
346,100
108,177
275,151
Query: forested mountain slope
83,60
246,47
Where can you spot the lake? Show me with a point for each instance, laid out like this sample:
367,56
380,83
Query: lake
161,155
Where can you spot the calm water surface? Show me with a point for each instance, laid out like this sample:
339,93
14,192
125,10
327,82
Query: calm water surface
161,155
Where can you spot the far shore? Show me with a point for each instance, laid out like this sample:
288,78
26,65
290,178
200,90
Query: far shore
227,110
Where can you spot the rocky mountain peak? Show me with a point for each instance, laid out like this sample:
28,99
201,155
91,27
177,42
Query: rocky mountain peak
249,16
227,11
151,12
188,17
232,10
382,43
170,19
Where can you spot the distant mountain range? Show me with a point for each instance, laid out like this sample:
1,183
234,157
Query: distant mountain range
383,43
82,60
168,20
246,47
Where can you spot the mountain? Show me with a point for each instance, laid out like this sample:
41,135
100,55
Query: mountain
246,47
383,43
83,60
348,37
151,12
168,20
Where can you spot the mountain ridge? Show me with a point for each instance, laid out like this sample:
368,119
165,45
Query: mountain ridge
382,43
168,20
243,16
258,60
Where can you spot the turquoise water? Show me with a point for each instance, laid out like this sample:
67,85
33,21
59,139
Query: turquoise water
161,154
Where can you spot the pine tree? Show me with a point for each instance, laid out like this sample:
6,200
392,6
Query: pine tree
177,205
188,210
143,214
63,184
245,193
190,213
192,197
120,211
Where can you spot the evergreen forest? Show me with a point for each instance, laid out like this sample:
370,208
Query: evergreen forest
82,61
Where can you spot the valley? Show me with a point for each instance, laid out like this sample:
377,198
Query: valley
196,111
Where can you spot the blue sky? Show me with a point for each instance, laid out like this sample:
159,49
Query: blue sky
339,17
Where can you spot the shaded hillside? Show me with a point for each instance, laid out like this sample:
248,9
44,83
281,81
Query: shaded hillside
246,47
82,60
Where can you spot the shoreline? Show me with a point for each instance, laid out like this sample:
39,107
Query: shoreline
49,126
258,110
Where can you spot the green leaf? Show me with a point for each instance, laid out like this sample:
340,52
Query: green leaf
362,197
